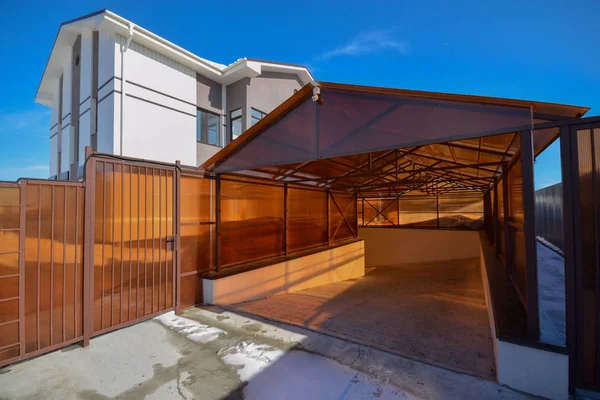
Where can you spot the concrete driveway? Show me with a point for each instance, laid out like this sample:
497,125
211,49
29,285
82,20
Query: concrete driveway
433,312
209,353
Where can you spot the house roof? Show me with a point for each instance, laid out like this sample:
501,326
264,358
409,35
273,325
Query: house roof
362,119
111,23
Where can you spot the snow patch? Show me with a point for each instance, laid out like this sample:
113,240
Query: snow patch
193,330
250,358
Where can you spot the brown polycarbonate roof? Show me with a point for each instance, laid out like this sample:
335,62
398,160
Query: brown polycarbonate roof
380,141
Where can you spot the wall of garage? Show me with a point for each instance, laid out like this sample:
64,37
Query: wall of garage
392,246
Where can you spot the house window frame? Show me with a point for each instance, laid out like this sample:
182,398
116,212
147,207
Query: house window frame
199,130
233,119
253,119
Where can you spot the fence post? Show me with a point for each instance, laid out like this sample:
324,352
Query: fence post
88,246
530,240
177,234
22,223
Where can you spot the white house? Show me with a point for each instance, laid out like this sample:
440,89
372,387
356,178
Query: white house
123,90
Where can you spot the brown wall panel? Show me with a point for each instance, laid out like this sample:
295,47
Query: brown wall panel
307,218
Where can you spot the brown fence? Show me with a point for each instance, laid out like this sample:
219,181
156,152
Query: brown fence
41,267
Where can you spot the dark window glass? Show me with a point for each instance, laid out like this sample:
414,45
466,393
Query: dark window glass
207,128
256,116
236,123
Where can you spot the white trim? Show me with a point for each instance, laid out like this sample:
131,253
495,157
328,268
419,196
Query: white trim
113,24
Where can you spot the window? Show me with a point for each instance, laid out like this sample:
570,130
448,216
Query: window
207,128
236,123
256,116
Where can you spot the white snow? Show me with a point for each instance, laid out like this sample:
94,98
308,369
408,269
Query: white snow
299,375
193,330
250,358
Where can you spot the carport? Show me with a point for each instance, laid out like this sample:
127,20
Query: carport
407,178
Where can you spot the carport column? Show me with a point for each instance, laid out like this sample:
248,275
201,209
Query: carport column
328,219
570,187
530,240
507,258
495,215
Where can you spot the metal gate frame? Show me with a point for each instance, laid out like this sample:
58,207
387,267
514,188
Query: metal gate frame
90,189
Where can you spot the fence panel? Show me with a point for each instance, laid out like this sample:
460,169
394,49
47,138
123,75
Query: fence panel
41,267
197,229
10,227
549,214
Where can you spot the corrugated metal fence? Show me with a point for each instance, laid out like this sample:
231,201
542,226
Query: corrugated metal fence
549,214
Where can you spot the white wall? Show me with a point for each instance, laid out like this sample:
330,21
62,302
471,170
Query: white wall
393,246
321,268
107,49
54,153
159,109
85,91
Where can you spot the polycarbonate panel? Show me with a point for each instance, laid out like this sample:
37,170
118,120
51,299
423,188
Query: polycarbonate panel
519,268
196,204
53,294
291,139
500,187
355,122
196,248
418,211
133,268
515,190
342,220
381,212
461,212
307,219
9,271
191,291
252,224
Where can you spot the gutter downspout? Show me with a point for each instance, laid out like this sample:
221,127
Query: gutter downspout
123,52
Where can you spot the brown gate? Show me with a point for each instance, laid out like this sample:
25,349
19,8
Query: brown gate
132,208
41,267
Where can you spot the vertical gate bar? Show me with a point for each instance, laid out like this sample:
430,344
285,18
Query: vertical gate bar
137,290
137,281
285,218
153,240
160,233
112,277
145,238
507,249
52,269
39,237
130,239
177,233
121,247
527,159
64,337
103,242
75,270
22,222
218,221
88,246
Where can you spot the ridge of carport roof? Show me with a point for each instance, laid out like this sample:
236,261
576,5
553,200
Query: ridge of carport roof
459,103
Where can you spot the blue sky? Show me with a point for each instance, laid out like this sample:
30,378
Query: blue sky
542,50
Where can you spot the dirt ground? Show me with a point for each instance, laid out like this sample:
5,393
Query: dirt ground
430,312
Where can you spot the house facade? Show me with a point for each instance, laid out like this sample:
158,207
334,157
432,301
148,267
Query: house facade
125,91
